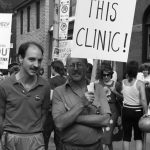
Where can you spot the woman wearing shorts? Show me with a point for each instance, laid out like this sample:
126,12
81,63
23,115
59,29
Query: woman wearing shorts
134,104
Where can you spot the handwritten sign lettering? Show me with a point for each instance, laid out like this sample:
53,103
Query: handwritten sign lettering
103,29
5,34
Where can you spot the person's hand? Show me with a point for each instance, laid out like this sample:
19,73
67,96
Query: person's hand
146,115
90,98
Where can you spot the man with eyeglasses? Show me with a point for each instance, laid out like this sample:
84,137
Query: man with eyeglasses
78,122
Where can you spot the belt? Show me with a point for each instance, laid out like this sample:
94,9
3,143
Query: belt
132,106
12,132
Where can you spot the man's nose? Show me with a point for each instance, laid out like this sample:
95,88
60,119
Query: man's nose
36,64
75,66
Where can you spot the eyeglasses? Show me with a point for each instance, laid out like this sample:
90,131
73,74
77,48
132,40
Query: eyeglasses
77,65
106,75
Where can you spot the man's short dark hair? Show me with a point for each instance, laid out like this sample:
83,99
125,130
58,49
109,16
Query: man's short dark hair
58,66
132,69
23,48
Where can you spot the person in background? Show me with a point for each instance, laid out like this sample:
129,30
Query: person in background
144,74
78,121
58,78
41,71
104,76
58,74
13,68
114,75
134,103
24,102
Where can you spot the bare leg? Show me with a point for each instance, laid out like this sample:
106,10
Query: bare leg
126,145
107,147
138,144
104,147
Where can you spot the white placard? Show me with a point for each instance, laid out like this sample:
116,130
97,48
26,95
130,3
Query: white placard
103,29
4,57
5,35
64,50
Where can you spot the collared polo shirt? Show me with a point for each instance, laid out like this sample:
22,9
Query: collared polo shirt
67,96
24,109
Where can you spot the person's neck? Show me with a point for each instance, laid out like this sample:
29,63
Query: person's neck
108,82
24,78
81,83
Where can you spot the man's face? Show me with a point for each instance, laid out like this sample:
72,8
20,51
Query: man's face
76,68
31,63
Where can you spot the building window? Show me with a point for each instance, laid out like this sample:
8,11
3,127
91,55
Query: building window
38,14
28,19
148,43
146,36
21,22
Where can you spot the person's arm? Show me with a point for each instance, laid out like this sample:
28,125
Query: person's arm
97,120
2,109
141,87
63,115
94,120
117,90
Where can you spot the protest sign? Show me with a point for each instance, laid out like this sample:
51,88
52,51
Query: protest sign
102,29
64,50
5,34
55,54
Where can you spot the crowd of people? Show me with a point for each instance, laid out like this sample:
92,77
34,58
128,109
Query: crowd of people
31,107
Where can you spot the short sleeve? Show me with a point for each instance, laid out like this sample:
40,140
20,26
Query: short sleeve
58,107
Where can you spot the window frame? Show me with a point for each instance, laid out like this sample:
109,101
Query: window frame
28,18
21,22
37,14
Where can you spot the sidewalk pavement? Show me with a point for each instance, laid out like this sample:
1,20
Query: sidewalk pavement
116,145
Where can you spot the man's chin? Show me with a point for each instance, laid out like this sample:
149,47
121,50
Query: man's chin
76,78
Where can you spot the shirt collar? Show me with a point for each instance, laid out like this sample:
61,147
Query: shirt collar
15,81
71,84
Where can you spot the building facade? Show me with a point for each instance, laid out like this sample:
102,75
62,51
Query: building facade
34,19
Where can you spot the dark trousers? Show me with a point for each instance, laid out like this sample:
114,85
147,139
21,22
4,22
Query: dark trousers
130,119
48,128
